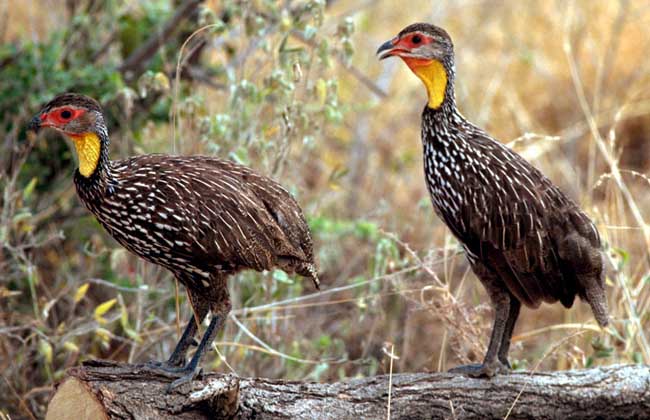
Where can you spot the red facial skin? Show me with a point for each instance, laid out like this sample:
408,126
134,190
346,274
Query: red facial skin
55,118
406,45
406,42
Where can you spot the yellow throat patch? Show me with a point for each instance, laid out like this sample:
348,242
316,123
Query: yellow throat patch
88,148
433,75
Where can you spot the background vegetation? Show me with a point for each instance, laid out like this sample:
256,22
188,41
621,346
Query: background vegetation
293,89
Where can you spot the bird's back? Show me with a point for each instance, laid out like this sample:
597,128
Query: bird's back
201,215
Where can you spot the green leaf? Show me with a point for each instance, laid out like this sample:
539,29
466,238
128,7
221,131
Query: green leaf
23,215
102,309
366,230
324,341
319,371
71,347
624,255
29,189
309,32
104,335
602,354
81,292
282,277
45,350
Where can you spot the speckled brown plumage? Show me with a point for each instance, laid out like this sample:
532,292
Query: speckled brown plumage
201,217
525,239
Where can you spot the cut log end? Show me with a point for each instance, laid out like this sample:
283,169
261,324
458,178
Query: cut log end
73,396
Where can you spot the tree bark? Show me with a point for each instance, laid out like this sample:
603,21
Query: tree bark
107,390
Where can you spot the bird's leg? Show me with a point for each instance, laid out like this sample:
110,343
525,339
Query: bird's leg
220,312
192,369
513,314
177,359
501,303
200,307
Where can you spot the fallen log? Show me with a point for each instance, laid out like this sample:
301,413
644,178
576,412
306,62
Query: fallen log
108,390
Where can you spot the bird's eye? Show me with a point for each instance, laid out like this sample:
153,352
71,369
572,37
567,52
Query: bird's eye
416,39
63,115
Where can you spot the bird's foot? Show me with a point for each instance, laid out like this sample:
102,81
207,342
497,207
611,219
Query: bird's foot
506,363
169,366
188,376
180,374
481,370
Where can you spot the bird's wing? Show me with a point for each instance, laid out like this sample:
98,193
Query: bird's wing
216,213
516,224
266,211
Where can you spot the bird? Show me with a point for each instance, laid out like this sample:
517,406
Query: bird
201,217
526,241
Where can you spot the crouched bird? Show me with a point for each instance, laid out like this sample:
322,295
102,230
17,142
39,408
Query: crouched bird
526,241
201,217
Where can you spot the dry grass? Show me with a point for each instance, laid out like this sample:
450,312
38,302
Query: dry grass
566,82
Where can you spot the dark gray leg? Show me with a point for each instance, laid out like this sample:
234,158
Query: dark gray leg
515,306
501,299
177,359
192,369
178,356
220,307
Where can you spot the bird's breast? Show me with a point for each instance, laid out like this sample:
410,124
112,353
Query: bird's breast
445,173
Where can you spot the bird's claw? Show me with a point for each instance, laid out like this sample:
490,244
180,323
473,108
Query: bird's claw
480,370
190,375
169,367
180,375
155,364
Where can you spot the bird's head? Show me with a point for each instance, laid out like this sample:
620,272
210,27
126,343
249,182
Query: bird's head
429,53
81,119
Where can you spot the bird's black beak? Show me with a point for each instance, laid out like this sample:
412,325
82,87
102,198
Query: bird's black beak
385,50
35,124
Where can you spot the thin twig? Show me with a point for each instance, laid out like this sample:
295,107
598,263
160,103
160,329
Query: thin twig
180,61
391,355
355,72
270,349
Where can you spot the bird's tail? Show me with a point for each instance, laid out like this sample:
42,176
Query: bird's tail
309,270
304,268
595,290
598,301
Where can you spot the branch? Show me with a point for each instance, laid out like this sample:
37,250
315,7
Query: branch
134,63
355,72
111,390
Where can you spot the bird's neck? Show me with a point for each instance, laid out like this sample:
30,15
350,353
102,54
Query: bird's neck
442,120
94,171
89,148
438,79
441,128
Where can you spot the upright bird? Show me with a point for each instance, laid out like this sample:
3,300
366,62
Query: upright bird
525,240
201,217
